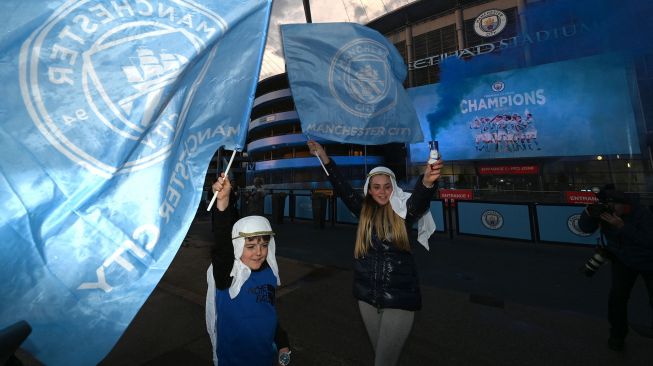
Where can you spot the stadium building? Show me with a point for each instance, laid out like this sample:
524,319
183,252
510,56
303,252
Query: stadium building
428,32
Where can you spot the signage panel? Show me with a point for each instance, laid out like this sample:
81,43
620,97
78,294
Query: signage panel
509,170
437,211
583,198
494,219
303,207
456,194
560,224
267,205
343,214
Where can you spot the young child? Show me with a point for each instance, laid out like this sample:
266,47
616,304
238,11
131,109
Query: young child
241,317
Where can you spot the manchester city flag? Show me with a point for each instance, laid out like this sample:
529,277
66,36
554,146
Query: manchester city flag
109,116
346,80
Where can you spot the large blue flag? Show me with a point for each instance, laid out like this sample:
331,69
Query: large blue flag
346,80
109,116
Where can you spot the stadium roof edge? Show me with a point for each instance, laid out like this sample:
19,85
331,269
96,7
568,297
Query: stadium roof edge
415,12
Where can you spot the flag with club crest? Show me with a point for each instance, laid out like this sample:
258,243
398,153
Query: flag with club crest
346,80
109,116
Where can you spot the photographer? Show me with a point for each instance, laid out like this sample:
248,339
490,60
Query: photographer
627,234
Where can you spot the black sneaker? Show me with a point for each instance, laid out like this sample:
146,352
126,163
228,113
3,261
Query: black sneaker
616,344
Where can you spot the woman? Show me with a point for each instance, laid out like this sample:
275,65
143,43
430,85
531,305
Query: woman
241,317
385,277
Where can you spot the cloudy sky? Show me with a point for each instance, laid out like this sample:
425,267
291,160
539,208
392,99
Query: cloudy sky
322,11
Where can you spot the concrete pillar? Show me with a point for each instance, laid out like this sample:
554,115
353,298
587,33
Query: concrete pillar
409,51
459,28
521,11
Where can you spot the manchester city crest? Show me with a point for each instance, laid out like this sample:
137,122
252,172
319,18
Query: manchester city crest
492,219
572,225
360,78
498,86
97,69
490,23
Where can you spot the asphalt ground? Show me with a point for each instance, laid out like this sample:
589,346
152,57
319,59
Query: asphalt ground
485,302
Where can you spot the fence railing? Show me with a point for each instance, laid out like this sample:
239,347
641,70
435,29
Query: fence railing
545,217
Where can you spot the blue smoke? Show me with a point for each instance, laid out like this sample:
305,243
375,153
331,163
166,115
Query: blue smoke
551,31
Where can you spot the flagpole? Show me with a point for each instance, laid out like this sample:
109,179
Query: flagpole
307,11
321,163
317,156
215,194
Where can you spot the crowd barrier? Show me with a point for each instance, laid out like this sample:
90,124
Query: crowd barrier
522,221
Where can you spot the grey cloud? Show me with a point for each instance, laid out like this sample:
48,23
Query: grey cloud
292,11
360,13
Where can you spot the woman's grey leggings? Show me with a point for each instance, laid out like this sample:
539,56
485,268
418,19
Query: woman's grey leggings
388,330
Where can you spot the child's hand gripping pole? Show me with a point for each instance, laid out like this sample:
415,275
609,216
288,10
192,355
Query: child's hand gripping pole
215,194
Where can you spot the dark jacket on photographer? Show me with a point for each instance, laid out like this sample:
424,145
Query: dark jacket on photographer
633,243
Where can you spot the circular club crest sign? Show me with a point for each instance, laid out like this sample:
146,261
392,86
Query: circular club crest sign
360,78
95,78
490,23
492,219
498,86
572,225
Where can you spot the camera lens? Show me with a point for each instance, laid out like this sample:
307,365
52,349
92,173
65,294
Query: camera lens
593,263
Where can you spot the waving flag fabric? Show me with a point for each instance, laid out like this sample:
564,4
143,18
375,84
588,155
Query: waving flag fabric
109,116
346,80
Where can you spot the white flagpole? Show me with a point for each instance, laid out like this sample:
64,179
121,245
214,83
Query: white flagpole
321,163
215,194
318,157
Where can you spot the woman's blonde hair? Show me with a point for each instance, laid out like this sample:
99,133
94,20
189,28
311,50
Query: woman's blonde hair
386,223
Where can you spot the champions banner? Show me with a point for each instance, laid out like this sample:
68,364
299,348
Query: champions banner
571,108
110,114
346,81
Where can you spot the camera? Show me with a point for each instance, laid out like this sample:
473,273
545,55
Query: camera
596,209
606,195
595,261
